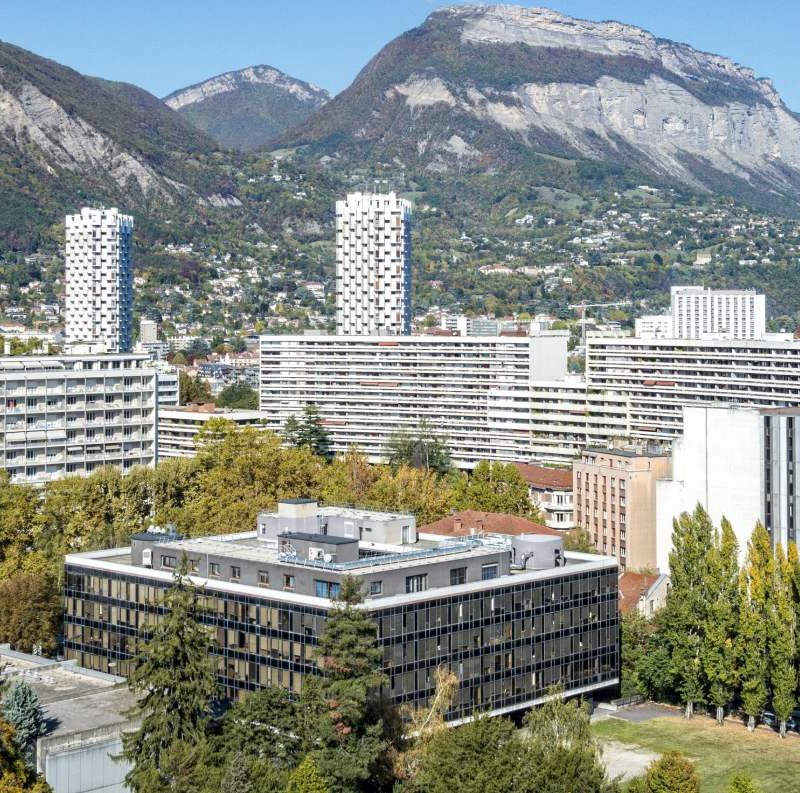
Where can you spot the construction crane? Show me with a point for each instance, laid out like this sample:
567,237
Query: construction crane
584,306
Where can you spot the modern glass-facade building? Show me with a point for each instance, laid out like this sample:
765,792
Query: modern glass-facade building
509,616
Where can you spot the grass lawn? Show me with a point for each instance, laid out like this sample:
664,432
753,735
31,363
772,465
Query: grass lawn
773,764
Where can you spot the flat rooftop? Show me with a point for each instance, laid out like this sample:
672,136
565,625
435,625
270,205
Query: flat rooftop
73,699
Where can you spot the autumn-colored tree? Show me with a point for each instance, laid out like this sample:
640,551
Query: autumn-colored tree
30,612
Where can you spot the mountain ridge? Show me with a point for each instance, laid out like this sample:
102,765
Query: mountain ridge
478,86
241,109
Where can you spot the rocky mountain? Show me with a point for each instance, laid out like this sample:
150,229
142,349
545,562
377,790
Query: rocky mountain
67,139
243,109
481,87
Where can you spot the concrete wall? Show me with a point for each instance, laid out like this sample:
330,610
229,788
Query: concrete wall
83,762
718,463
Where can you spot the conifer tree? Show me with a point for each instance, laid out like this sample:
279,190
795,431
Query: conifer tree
237,776
722,619
174,676
751,648
741,783
781,634
672,773
21,709
685,614
345,731
306,778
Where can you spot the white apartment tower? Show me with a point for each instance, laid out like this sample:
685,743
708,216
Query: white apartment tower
99,278
699,313
373,265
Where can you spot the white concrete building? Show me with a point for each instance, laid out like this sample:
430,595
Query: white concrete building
474,390
658,377
168,389
148,331
718,463
373,265
99,278
178,426
70,414
653,326
699,313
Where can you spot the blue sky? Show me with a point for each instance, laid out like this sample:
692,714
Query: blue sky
169,44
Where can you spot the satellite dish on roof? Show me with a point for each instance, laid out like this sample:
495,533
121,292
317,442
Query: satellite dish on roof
328,558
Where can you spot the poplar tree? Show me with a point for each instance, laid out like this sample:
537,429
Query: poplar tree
781,633
175,680
722,619
751,649
685,615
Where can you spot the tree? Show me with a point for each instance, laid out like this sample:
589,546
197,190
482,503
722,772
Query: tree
312,434
263,724
16,775
782,642
238,396
174,677
348,479
344,729
636,631
494,487
30,612
672,773
685,613
482,755
579,540
751,645
306,778
422,448
741,783
722,619
21,709
194,390
560,738
237,776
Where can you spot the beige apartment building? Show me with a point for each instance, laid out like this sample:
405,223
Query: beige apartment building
615,502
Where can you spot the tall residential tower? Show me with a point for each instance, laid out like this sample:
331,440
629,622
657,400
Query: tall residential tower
373,265
99,278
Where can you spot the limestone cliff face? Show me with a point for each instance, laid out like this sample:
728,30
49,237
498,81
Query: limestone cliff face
242,109
497,78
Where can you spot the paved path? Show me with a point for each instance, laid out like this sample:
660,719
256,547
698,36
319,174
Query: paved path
624,760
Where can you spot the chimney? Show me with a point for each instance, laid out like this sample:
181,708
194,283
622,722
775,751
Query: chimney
457,524
479,525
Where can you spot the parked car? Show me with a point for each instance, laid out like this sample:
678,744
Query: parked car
793,723
769,718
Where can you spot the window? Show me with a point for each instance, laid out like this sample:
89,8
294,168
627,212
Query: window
417,583
458,575
213,568
263,577
169,561
327,589
375,587
489,571
236,572
288,582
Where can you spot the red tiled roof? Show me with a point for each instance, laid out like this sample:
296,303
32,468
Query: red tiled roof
539,476
470,521
631,588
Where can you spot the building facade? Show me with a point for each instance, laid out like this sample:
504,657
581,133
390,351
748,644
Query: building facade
99,278
658,377
550,489
509,619
699,313
474,391
373,265
178,426
70,414
615,502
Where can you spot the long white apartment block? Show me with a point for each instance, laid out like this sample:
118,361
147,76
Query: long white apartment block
373,265
474,390
70,414
178,426
658,377
566,418
699,313
99,278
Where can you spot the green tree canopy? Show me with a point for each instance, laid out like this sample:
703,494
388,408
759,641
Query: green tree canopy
420,448
175,681
495,487
21,709
238,396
